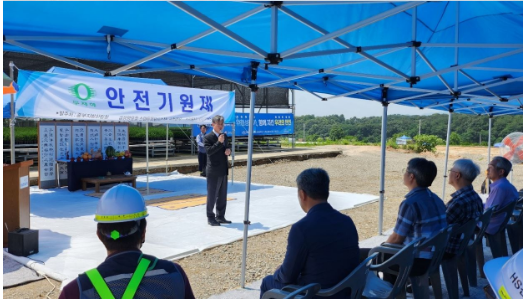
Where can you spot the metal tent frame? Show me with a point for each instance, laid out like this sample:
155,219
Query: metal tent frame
330,60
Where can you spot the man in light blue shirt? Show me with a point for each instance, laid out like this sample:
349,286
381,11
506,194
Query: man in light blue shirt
502,192
202,151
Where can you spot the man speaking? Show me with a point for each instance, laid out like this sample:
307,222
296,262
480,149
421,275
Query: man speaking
216,172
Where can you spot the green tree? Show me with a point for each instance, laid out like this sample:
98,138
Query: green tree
336,132
426,142
455,139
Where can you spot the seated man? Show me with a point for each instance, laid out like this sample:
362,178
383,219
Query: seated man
323,247
421,214
127,272
465,203
502,192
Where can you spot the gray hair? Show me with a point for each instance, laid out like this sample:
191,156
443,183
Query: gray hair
502,163
315,183
467,168
217,118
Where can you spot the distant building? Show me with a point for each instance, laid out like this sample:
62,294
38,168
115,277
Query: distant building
403,140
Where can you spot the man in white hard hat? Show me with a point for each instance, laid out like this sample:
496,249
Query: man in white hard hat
126,272
505,275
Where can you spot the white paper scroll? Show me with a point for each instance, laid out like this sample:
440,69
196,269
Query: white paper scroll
107,138
79,140
121,138
47,152
94,137
64,141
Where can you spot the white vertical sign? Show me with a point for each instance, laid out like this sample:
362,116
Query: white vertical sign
94,137
47,152
64,141
107,138
79,139
122,137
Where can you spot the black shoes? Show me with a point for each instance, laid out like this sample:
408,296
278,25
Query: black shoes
218,221
223,220
213,222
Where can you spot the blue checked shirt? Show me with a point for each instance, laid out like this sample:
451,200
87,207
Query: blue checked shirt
421,214
465,205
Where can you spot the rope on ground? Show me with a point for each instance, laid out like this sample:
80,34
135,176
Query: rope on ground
51,291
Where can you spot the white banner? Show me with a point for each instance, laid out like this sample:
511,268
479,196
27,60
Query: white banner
73,97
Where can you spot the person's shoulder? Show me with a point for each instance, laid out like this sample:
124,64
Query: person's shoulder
435,196
70,291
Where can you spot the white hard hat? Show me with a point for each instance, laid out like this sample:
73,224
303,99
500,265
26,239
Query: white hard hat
505,276
121,203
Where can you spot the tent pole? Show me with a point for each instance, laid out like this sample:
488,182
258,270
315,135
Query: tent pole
167,145
447,151
489,138
489,150
233,149
382,177
294,132
254,88
147,155
12,121
457,25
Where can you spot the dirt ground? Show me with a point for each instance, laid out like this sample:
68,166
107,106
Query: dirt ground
34,290
217,270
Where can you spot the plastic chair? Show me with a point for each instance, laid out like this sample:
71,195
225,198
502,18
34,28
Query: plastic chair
450,266
310,290
355,281
519,202
404,258
497,241
515,231
420,284
475,249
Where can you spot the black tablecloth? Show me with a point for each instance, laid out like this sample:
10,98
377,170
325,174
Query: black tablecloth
78,170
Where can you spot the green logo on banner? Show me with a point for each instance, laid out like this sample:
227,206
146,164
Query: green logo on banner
82,91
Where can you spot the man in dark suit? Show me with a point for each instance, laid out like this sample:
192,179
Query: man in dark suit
217,151
323,247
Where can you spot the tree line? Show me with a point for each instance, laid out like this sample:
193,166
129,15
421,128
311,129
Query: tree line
466,129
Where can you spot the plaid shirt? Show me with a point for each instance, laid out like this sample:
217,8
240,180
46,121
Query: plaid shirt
465,205
421,214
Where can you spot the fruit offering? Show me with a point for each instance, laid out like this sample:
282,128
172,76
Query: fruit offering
110,151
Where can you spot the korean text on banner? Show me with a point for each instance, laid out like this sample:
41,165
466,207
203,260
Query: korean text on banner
59,96
265,124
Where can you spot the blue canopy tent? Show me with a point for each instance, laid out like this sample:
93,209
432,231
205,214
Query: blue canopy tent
403,140
463,57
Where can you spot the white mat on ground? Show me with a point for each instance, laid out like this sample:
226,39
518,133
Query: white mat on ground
16,273
67,232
